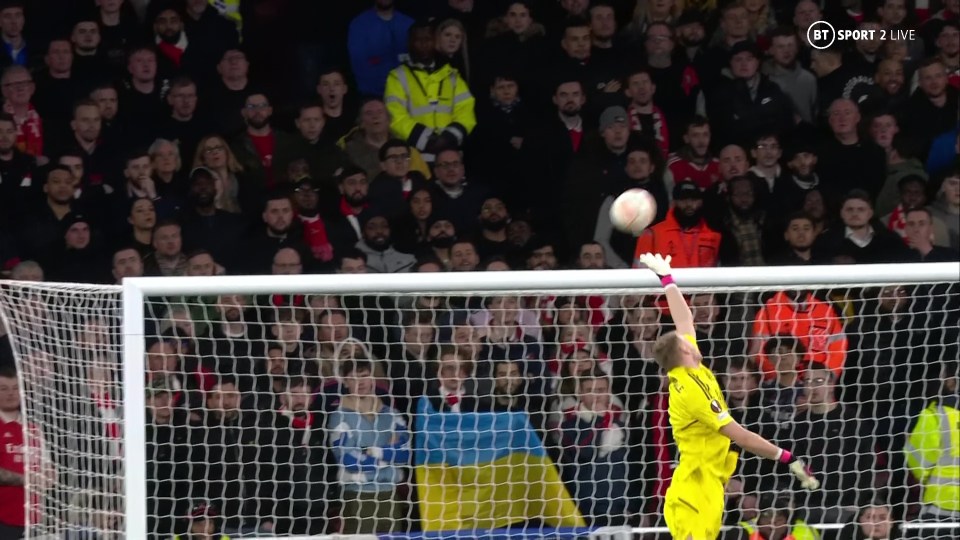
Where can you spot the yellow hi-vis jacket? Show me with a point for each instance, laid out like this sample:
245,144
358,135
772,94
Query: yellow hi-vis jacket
933,455
799,531
231,10
423,103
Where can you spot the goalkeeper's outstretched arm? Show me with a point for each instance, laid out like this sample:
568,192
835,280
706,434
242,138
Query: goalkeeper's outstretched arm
679,310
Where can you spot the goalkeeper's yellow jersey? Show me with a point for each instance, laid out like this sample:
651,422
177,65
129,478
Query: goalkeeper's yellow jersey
697,412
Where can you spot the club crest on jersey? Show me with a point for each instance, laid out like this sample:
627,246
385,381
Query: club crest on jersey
715,406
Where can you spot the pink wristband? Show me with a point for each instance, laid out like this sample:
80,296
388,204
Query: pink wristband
785,456
667,280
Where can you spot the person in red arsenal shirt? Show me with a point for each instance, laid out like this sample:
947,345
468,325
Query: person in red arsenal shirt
12,493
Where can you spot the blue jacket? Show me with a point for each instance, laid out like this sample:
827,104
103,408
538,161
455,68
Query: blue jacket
370,452
375,46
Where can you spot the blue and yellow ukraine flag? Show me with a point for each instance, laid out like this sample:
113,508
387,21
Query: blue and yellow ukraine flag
486,471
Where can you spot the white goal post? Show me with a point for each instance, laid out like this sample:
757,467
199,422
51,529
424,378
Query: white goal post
126,308
135,291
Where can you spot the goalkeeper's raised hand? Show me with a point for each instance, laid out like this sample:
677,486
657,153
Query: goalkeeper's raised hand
799,470
658,263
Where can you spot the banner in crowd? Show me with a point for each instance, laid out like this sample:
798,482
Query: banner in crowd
485,471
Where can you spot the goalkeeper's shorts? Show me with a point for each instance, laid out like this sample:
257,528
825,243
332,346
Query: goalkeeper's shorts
693,508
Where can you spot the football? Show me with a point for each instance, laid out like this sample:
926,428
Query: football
633,211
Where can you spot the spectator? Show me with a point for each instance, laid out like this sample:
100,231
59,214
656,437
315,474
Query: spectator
203,523
591,257
169,458
684,221
837,80
82,259
541,255
18,91
15,48
504,125
90,61
314,144
845,161
257,146
597,172
674,75
750,104
928,449
126,263
144,90
455,389
217,439
377,245
781,394
17,170
812,321
776,520
945,210
283,453
874,522
464,256
932,107
493,219
207,227
228,93
437,116
119,28
514,391
766,153
454,195
279,230
742,226
377,40
645,117
784,68
332,90
210,32
372,445
40,232
862,237
801,177
885,131
362,145
596,466
694,161
392,187
166,163
799,235
913,194
413,228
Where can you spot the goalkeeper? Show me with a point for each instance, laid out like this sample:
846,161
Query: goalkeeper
702,426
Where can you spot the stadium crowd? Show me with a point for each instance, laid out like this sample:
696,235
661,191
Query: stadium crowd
170,138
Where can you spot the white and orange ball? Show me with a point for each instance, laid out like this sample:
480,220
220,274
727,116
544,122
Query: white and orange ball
633,211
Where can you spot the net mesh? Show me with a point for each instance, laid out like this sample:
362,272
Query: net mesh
282,415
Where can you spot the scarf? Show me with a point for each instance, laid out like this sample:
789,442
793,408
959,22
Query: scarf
29,130
173,51
107,408
898,222
315,233
654,121
346,210
304,423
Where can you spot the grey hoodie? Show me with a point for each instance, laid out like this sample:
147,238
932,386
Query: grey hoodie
797,83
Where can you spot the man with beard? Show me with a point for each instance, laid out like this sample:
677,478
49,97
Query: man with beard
279,231
550,147
344,222
41,233
694,160
256,146
441,235
207,227
645,117
684,234
382,257
494,218
799,235
177,53
676,80
742,226
306,199
232,341
932,109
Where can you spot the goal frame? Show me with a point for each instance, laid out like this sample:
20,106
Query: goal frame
136,290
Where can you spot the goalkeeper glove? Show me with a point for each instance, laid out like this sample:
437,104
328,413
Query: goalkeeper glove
658,263
799,470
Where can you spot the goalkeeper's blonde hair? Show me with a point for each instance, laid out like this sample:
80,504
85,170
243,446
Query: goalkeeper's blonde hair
666,350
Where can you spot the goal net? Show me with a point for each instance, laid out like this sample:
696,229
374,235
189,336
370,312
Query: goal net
491,405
